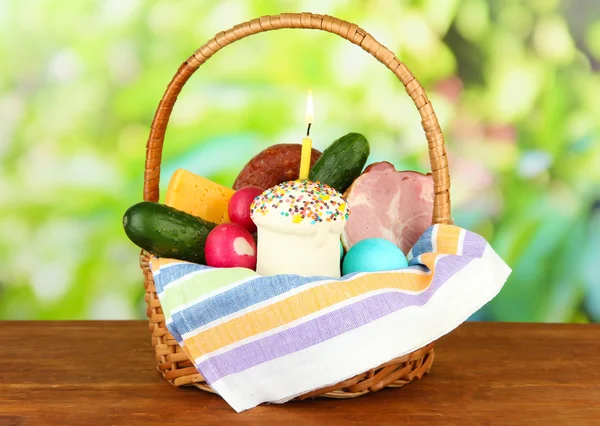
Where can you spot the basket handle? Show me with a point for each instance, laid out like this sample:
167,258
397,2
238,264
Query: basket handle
351,32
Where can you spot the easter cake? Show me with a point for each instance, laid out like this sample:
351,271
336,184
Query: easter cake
299,226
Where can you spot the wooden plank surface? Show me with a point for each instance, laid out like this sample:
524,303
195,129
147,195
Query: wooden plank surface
97,373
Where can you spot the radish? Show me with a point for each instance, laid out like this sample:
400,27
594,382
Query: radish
230,245
239,206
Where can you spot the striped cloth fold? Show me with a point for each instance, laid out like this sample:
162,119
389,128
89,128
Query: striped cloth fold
268,339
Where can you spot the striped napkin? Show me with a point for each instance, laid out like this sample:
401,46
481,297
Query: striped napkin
268,339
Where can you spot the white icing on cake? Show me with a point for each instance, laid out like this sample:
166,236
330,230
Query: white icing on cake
299,225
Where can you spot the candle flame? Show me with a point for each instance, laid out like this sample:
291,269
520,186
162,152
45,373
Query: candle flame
309,108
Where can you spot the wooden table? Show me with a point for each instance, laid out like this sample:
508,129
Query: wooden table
97,373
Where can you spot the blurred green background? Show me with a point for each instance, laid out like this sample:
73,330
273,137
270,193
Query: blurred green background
515,85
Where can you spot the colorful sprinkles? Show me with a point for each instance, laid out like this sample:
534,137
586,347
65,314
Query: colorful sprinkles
302,201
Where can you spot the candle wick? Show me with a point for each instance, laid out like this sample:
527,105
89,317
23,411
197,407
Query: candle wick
308,130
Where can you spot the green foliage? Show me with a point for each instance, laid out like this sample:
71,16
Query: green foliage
515,86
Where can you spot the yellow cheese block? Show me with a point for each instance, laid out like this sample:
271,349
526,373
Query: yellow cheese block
199,196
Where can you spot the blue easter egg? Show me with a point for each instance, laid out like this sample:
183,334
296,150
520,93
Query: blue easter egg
373,254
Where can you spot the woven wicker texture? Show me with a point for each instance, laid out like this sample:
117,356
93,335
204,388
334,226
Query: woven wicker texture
172,361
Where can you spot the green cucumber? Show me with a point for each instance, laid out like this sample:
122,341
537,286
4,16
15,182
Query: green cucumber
342,162
167,232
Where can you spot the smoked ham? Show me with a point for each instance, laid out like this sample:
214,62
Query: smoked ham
390,204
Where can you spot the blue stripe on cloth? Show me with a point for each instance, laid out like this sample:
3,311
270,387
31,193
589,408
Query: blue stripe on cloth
423,244
240,297
174,329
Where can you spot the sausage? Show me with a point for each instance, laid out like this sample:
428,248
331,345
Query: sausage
276,164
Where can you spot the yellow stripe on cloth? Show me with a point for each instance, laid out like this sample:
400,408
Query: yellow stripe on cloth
447,239
302,304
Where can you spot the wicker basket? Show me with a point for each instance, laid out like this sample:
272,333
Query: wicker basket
172,362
